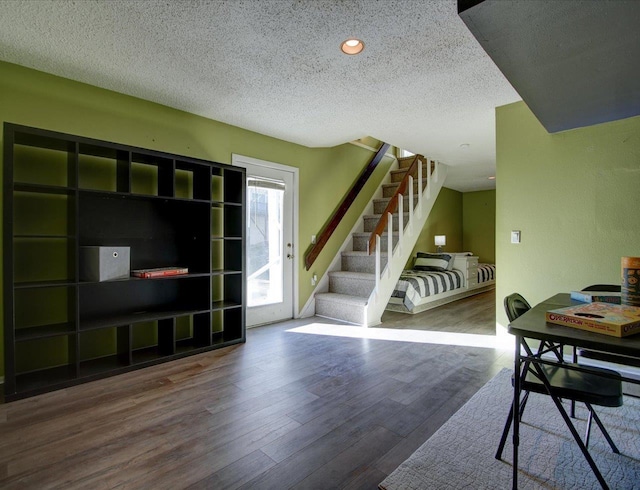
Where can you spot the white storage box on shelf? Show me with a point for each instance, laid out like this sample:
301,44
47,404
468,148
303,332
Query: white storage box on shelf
104,263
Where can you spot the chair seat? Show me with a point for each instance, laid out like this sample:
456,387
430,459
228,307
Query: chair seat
605,356
581,386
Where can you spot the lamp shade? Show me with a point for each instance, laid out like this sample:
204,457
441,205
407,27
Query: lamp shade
440,240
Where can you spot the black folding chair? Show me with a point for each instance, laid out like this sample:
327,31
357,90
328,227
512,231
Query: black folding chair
589,387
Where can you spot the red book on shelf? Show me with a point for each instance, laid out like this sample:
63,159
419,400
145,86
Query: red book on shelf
159,272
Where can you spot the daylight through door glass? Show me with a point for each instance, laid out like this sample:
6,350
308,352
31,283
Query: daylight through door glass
265,236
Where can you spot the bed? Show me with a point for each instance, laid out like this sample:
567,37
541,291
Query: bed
486,273
444,281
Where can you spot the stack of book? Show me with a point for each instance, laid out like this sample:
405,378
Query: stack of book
596,297
159,272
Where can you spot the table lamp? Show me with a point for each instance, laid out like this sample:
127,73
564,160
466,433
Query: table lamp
441,241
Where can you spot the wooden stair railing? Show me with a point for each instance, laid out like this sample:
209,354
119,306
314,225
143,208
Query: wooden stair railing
312,253
393,202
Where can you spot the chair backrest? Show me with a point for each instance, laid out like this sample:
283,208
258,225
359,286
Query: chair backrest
515,305
609,288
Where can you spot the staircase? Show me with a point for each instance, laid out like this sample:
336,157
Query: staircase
360,290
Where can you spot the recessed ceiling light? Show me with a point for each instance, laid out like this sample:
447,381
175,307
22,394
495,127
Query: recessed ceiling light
352,46
493,177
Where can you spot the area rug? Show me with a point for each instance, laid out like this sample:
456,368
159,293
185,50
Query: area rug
461,453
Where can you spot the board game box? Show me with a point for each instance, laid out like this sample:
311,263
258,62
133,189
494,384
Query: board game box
604,318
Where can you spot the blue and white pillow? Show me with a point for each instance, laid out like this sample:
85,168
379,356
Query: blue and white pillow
433,262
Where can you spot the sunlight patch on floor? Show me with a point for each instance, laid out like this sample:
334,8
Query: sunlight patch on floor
406,335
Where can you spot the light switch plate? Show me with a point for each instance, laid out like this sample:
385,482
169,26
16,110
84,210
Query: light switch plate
515,236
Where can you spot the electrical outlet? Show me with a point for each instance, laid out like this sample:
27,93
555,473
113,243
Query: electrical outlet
313,239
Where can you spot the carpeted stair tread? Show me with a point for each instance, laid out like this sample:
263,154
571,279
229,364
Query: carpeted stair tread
344,299
360,253
354,275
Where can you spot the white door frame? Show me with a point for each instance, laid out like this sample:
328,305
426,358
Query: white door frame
244,161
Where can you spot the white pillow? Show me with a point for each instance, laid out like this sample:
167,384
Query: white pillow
432,262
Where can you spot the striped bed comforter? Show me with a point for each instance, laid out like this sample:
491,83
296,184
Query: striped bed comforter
414,284
486,272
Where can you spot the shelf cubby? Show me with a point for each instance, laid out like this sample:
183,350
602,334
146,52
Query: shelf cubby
226,288
191,181
104,349
193,332
40,355
217,185
234,186
56,306
23,334
64,192
43,161
43,214
43,380
227,325
233,221
98,173
43,259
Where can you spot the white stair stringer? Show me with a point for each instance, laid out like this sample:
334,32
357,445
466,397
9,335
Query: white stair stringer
353,294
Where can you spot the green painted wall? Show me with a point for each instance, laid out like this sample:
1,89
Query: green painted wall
37,99
574,196
467,219
479,224
445,219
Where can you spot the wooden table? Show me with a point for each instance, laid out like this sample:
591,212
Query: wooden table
533,325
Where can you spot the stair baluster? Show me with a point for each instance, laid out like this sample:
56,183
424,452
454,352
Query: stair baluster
420,190
411,200
389,241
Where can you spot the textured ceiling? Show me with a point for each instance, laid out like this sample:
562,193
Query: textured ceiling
274,66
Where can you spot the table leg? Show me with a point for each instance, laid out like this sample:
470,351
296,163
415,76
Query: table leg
516,409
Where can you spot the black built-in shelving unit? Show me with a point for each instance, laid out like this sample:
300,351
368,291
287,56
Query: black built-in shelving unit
63,192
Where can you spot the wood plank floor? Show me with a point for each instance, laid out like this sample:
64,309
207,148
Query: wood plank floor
285,410
475,314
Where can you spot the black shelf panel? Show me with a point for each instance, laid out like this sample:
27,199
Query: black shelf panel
44,237
100,365
147,355
45,379
136,279
176,276
44,284
43,331
144,197
189,346
145,316
224,338
42,188
41,138
224,305
224,272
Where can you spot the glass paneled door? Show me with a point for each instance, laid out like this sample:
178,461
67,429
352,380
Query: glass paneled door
270,248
